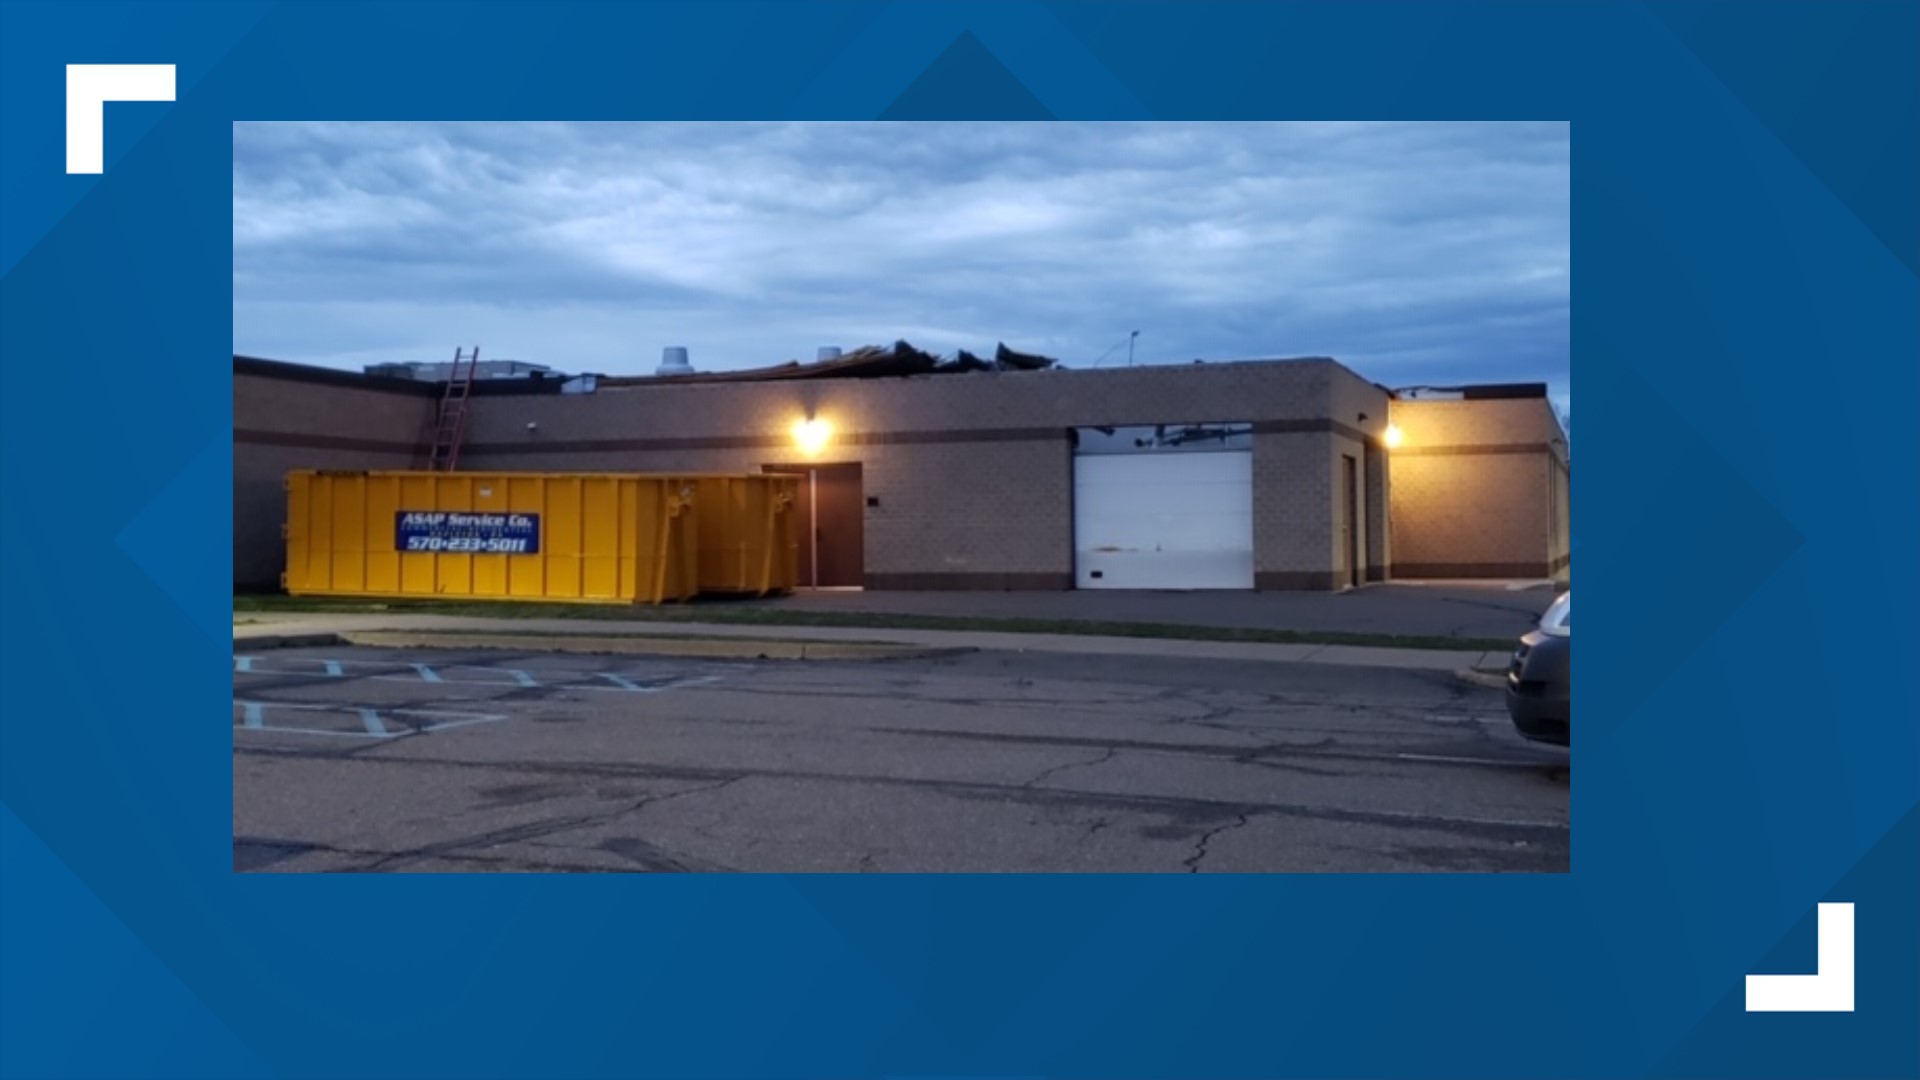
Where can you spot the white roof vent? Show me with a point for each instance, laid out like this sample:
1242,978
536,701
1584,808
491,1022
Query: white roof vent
673,361
827,352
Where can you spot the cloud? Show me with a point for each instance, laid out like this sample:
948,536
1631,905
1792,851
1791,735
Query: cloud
1418,253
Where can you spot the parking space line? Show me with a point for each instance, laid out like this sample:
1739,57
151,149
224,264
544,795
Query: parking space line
445,724
456,675
279,730
253,717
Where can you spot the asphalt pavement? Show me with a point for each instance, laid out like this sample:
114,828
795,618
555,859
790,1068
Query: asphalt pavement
369,759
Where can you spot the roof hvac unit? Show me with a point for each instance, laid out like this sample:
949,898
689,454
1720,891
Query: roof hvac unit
673,361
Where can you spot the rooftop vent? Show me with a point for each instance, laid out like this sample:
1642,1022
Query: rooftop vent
673,361
827,352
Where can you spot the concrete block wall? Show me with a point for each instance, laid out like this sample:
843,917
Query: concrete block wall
973,473
1292,510
1471,489
1560,520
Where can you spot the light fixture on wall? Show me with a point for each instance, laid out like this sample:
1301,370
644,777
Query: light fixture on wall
1391,438
812,435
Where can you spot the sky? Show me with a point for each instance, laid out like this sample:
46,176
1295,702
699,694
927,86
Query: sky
1416,253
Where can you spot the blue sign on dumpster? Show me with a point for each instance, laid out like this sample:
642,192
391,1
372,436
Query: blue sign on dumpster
457,532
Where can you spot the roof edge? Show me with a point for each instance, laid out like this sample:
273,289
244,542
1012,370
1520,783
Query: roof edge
308,373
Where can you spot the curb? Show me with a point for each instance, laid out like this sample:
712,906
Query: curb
1491,679
838,643
285,641
630,645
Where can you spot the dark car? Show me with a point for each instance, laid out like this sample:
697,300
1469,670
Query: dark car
1539,683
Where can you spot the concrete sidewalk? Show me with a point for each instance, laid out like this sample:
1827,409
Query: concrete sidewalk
269,629
1467,609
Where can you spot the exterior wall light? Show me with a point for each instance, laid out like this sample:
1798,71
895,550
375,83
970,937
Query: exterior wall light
1392,437
812,435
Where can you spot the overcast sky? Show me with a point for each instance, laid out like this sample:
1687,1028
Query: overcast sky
1417,253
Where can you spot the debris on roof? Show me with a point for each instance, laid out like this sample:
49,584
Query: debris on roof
868,362
1474,392
1008,360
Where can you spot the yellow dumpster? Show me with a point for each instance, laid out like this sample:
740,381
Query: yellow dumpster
575,538
746,533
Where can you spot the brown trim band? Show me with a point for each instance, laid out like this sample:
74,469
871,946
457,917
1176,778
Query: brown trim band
1532,571
1323,426
987,435
1296,580
761,442
1561,562
1471,448
969,582
307,441
622,446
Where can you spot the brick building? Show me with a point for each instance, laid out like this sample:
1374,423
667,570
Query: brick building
1498,450
1268,474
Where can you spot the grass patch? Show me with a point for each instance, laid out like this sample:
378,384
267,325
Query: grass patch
742,614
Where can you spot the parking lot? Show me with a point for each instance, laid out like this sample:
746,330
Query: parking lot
357,759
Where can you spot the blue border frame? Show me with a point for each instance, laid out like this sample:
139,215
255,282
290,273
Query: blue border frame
1747,334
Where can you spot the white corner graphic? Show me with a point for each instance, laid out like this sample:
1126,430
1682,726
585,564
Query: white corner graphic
89,88
1828,989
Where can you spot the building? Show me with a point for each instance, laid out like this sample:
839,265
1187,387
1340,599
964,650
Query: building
1480,483
1002,474
441,371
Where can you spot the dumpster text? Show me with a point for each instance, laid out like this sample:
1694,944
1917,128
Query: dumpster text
457,532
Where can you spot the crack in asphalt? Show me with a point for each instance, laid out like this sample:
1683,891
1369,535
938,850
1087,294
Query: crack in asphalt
1496,829
536,830
1099,759
307,846
1192,862
1262,755
1266,730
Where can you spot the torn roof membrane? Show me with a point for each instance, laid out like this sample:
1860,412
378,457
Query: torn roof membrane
868,362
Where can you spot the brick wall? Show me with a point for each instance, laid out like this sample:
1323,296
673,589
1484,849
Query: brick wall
1560,519
973,473
282,421
1473,489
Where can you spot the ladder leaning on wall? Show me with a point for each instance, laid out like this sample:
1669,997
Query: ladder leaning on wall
450,423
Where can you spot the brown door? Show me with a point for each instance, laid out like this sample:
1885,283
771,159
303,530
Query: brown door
1350,517
832,524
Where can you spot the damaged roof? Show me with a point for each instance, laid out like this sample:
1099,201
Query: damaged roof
868,362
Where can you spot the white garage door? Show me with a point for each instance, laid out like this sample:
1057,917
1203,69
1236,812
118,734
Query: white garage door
1163,521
